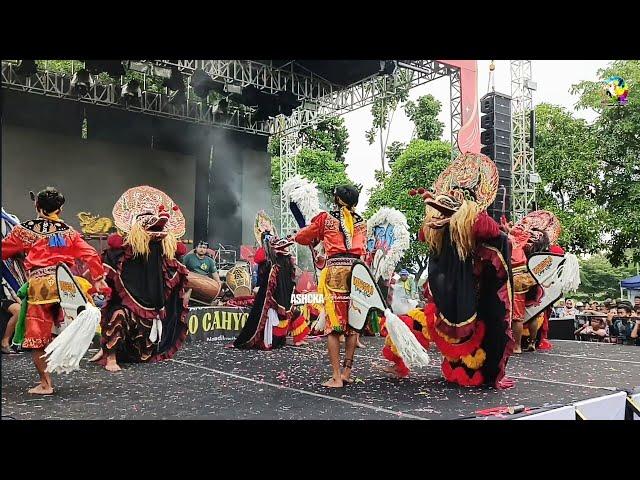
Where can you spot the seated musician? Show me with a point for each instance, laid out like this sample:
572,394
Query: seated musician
199,262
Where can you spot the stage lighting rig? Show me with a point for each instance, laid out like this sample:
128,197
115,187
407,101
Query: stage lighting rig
288,102
131,92
113,68
387,67
175,80
178,98
82,82
202,84
26,68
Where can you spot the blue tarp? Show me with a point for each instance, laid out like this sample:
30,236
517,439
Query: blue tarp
632,283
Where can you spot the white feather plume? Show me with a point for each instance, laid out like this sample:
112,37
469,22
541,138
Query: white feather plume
390,216
64,353
570,276
409,349
320,322
304,194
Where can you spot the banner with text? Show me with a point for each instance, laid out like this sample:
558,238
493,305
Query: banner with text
213,324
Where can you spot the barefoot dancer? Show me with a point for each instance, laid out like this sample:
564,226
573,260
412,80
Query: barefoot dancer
145,318
47,241
344,235
468,293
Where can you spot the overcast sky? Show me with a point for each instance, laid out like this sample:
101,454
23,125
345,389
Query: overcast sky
554,79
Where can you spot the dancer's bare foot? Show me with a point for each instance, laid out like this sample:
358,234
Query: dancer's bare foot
517,350
506,383
346,378
301,343
112,365
333,383
360,344
41,389
390,370
97,356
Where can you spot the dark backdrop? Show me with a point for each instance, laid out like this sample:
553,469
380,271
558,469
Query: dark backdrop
220,178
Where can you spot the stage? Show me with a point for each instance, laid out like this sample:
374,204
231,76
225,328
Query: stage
206,381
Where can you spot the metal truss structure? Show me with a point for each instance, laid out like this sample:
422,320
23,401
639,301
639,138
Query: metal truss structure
290,145
320,99
524,192
59,86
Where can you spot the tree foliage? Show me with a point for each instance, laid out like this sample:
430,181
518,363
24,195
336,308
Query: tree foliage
418,166
394,151
330,135
396,91
318,166
424,114
599,279
566,162
617,151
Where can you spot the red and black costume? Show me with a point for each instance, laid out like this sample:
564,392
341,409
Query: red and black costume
469,288
47,242
145,317
272,317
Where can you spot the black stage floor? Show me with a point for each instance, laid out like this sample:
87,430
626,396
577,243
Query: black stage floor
206,381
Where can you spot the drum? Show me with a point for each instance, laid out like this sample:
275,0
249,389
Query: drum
239,281
203,289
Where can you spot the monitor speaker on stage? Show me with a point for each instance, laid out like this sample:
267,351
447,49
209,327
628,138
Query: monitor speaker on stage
496,141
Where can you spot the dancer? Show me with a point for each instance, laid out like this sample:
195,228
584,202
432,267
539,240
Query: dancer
536,235
343,233
468,292
47,241
272,316
145,317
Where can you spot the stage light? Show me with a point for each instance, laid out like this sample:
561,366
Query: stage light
138,66
233,89
175,80
268,106
131,92
221,113
222,106
26,68
162,72
288,102
388,67
113,68
178,98
202,84
311,106
82,82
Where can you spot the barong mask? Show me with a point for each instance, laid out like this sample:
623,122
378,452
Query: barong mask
463,190
145,214
544,228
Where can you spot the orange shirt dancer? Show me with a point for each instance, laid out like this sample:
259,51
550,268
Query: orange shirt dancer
47,241
344,235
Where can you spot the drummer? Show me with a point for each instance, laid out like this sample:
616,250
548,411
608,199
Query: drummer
199,262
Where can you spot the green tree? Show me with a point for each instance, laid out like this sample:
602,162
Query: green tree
330,135
568,168
418,166
394,151
617,134
396,91
316,165
599,279
424,114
